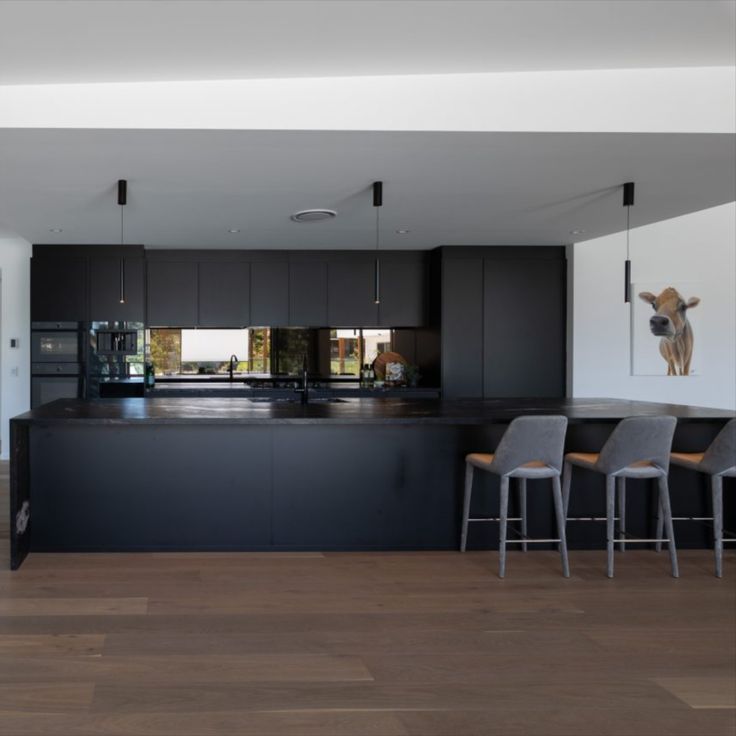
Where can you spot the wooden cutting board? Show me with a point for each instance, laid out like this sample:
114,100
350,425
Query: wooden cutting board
379,364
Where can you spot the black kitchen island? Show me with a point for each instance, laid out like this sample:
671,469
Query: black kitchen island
236,474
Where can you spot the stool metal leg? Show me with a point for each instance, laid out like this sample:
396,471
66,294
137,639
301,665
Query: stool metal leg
660,525
610,515
566,480
466,505
560,513
621,488
664,496
522,511
502,529
716,487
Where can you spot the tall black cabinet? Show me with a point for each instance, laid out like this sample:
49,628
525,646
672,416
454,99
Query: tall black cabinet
503,322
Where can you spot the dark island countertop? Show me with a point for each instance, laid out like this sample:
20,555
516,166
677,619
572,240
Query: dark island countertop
221,389
232,410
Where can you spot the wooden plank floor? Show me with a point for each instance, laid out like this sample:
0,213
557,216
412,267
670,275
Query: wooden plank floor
425,644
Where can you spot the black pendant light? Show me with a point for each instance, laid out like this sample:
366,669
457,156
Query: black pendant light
628,203
377,203
122,201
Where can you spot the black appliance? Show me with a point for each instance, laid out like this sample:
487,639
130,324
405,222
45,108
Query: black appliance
115,360
57,362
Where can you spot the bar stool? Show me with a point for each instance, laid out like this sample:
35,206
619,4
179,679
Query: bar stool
530,448
719,462
639,447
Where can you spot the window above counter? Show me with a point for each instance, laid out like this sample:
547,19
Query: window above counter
264,351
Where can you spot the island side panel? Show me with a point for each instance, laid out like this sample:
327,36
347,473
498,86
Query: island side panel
366,487
20,494
151,487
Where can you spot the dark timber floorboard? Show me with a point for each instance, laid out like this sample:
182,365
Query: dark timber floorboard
404,644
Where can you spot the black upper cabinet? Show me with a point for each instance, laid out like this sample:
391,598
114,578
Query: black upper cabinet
350,293
269,293
105,289
172,293
524,328
403,292
503,323
224,294
462,328
58,288
308,294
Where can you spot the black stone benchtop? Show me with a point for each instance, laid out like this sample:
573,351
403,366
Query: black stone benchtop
231,410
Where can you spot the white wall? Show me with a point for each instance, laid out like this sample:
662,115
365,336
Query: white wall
700,247
674,100
15,316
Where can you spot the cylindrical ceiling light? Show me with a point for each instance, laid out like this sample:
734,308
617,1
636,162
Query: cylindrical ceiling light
628,203
377,204
122,201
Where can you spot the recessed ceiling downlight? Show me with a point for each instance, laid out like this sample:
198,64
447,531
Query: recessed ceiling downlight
315,215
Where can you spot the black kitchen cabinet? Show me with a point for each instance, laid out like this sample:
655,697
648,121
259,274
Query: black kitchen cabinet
403,291
224,294
462,327
524,328
269,293
172,293
350,292
503,322
58,288
308,294
105,289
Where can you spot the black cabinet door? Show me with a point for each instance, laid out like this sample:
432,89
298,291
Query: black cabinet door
403,290
58,289
269,293
224,294
105,289
308,294
172,293
350,294
524,328
462,328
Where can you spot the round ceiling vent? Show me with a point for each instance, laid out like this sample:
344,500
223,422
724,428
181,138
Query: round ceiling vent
313,215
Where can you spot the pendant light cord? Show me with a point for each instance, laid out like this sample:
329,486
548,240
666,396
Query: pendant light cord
628,222
378,223
122,201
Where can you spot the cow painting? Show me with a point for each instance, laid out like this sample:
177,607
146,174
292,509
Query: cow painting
671,325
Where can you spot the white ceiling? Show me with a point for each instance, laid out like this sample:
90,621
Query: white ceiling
44,42
188,188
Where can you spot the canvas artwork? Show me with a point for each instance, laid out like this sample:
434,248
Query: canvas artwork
666,339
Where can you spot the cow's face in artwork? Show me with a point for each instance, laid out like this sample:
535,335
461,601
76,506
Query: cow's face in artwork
670,309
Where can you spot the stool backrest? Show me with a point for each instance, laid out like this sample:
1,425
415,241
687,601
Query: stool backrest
721,455
635,439
531,438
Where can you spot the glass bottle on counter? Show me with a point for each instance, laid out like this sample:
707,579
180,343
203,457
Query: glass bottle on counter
367,376
149,374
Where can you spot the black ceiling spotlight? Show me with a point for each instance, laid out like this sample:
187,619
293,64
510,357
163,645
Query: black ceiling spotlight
377,203
122,201
628,203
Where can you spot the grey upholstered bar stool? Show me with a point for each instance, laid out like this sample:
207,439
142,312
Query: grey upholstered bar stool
639,447
719,462
530,448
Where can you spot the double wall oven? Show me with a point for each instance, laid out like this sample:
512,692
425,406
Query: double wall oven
79,360
57,362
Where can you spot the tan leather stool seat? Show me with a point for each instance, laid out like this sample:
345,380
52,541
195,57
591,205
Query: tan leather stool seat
484,459
589,460
584,459
687,459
